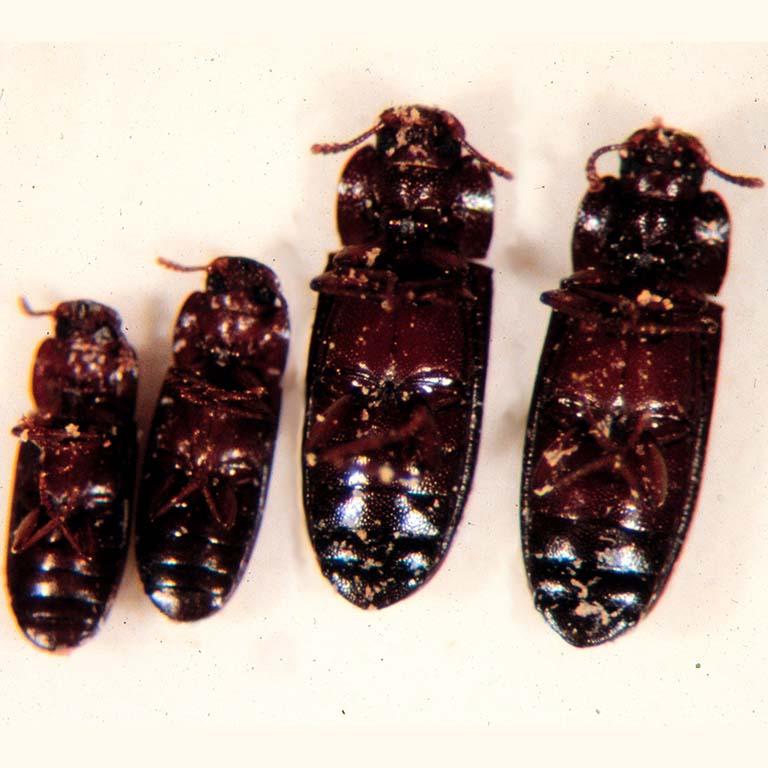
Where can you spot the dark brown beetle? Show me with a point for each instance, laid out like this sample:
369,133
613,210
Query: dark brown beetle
621,408
75,472
398,355
210,449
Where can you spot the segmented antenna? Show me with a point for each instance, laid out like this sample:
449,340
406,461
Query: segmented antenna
27,309
327,149
595,180
742,181
492,167
176,267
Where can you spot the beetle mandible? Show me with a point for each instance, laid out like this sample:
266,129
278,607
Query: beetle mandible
398,354
622,402
206,471
70,513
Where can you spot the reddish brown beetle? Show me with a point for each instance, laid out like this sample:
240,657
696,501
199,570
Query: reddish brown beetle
209,456
74,478
397,358
621,407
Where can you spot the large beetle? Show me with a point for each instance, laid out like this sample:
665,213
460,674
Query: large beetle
398,356
621,408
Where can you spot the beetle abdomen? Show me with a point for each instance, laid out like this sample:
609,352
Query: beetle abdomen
394,406
614,453
189,574
377,543
591,580
61,598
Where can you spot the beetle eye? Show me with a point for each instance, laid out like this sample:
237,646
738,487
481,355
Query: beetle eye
386,139
263,295
64,327
216,283
446,146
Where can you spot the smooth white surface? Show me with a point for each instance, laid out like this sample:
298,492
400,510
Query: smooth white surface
113,156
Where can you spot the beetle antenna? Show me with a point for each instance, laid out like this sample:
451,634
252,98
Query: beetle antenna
27,309
178,267
327,149
742,181
492,167
595,180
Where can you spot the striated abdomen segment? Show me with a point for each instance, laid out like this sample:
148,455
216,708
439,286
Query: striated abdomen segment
65,559
59,599
591,581
190,564
189,577
379,544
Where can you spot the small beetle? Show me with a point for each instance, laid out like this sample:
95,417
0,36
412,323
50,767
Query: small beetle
398,354
621,408
75,472
209,455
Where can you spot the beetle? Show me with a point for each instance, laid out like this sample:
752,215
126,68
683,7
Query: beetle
397,358
621,407
209,455
75,472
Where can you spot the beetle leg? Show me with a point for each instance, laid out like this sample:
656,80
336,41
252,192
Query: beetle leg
655,475
356,283
34,431
25,535
61,524
327,423
573,305
558,484
633,482
697,325
223,505
445,260
371,443
202,393
437,292
175,500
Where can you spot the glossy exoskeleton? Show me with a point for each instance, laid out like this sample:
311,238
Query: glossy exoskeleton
621,408
208,461
398,355
75,472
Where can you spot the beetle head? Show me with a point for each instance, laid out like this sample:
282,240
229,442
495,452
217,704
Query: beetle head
86,319
235,274
663,163
417,136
